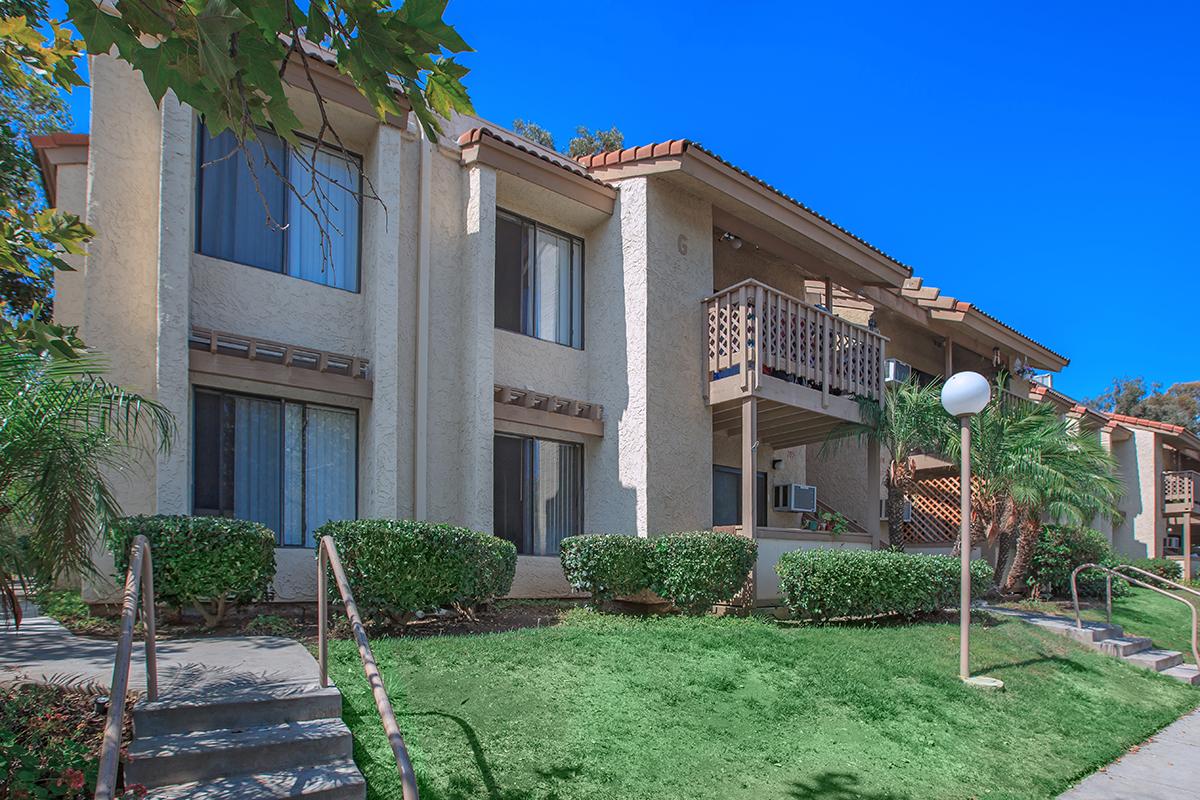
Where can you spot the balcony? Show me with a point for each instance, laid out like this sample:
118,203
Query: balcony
767,344
1179,493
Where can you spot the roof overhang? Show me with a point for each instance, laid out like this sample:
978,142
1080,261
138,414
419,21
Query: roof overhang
763,212
55,150
484,146
1177,436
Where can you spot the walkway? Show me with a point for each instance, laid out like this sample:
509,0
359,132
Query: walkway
44,650
1167,767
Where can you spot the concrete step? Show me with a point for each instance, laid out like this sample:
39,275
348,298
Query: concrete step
156,761
1155,659
338,780
1090,633
249,708
1188,673
1123,645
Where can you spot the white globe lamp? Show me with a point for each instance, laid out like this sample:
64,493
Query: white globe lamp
964,395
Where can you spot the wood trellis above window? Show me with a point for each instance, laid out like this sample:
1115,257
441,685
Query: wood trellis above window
219,353
548,411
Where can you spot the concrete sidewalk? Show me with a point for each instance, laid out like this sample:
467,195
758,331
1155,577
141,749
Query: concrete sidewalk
43,650
1166,767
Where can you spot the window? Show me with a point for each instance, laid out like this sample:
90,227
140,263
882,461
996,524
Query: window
234,200
727,497
291,466
538,493
539,281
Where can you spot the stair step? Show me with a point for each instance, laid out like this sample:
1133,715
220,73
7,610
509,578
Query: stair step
338,780
1188,673
1090,633
1123,645
261,706
198,755
1155,659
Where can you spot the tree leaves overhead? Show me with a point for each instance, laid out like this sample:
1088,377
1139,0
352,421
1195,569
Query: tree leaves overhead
227,58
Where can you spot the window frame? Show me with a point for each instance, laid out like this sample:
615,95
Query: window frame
527,487
202,134
501,211
283,402
764,498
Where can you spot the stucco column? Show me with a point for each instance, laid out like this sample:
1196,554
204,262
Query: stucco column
379,490
175,215
477,317
750,479
1187,547
874,482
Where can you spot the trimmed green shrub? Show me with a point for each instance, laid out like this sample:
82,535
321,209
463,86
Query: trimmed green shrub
200,560
607,565
398,567
1060,549
696,570
1162,567
823,584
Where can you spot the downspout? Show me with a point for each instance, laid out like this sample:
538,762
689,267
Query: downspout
421,390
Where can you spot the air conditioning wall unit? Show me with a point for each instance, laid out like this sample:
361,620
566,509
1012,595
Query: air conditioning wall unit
905,517
907,510
795,497
896,371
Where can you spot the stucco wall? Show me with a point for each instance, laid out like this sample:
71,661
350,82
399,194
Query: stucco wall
70,287
1149,527
769,551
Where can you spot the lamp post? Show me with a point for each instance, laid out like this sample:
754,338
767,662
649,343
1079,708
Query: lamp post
964,395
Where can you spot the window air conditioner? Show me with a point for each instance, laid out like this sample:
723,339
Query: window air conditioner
896,371
795,497
907,510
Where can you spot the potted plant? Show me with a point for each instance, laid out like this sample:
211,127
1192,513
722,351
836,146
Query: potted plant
834,522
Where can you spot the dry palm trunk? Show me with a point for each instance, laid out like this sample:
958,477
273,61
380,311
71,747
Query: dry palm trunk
1026,543
901,480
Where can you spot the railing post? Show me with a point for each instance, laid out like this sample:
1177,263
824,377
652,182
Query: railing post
322,614
149,622
1108,597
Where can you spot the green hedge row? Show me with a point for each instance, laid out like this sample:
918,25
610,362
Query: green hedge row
200,561
397,568
823,584
1059,550
694,570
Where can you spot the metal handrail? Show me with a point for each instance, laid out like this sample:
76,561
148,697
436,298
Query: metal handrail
327,556
140,573
1110,571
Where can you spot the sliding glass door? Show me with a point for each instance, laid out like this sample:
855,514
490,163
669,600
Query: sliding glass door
537,492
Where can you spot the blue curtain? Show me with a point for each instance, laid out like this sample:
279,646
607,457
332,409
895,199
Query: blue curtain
257,450
233,220
330,469
332,192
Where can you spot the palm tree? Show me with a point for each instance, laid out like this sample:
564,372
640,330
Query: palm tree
910,422
63,431
1029,465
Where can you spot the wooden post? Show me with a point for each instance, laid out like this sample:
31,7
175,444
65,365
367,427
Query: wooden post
829,295
750,481
949,368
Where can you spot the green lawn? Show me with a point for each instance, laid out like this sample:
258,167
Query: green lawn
619,708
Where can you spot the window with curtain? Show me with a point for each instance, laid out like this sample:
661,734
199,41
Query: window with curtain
539,281
291,466
235,197
727,496
538,492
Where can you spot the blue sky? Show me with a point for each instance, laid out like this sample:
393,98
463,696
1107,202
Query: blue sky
1041,160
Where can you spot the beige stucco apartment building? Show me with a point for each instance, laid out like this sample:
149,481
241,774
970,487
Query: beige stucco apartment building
644,341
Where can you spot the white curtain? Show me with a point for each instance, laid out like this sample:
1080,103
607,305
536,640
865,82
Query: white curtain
330,471
558,287
256,461
332,192
557,473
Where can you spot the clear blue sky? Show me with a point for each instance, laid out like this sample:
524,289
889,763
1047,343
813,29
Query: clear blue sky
1039,159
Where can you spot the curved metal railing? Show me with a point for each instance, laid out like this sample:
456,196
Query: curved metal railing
1118,571
327,556
139,575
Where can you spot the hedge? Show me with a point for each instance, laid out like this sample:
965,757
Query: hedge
607,565
1162,567
698,569
1059,550
693,570
397,568
200,560
824,584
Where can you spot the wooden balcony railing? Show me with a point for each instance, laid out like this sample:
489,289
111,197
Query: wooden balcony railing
756,330
1179,488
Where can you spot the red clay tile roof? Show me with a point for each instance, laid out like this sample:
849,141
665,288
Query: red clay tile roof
676,147
59,139
1154,424
475,135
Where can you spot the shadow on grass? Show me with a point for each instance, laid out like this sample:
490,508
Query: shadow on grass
978,617
1066,664
837,786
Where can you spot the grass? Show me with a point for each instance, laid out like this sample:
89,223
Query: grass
703,708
